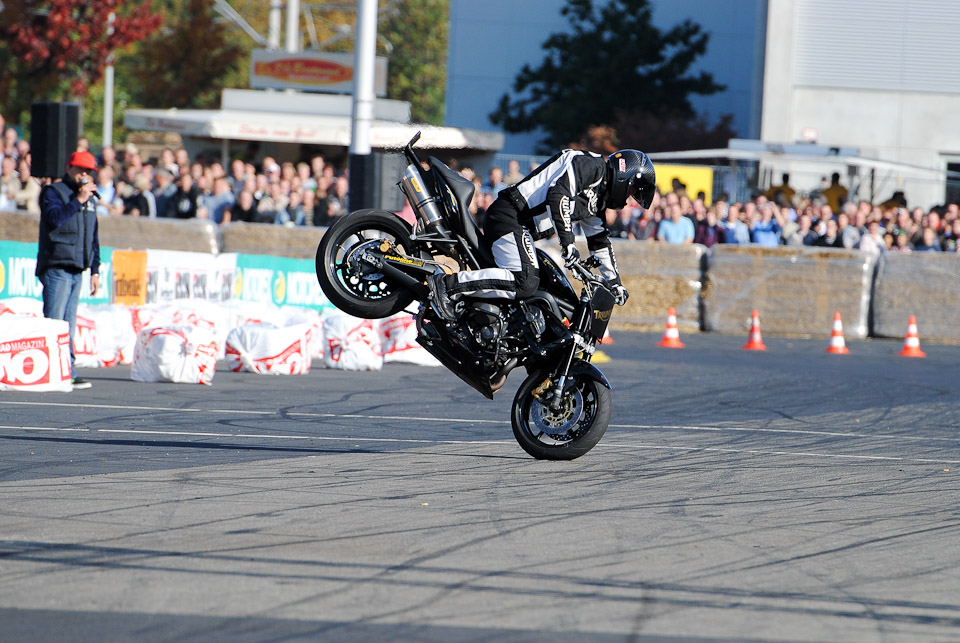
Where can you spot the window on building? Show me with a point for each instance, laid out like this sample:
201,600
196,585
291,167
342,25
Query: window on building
953,183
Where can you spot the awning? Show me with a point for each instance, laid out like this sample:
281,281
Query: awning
903,169
304,128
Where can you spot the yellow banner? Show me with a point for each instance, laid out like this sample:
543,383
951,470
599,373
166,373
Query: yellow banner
697,179
130,277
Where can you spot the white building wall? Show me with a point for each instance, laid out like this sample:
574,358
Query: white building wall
879,75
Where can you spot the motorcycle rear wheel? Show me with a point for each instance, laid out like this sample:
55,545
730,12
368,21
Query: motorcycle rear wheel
567,433
351,286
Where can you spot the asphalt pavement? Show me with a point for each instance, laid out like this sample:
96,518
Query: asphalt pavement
786,495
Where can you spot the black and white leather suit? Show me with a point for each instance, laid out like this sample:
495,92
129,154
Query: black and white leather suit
566,189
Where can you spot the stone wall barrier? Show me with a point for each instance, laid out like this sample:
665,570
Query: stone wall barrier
659,275
925,284
136,233
269,239
795,290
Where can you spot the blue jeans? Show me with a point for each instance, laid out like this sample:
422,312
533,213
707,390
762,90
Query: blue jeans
61,294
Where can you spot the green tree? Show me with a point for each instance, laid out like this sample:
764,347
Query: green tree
186,63
57,49
613,67
418,31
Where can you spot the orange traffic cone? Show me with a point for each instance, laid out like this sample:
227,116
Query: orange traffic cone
607,339
755,343
911,343
671,338
837,345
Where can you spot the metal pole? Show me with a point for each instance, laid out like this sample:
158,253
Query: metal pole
108,90
273,25
361,164
293,26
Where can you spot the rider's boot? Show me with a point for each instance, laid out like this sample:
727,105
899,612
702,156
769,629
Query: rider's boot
440,298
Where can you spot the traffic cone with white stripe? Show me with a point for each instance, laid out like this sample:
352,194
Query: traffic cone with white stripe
755,342
671,338
837,344
911,343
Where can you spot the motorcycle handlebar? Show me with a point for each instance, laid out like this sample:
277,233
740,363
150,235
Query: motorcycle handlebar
584,270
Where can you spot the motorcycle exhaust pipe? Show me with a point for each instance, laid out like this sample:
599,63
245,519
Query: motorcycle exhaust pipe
424,203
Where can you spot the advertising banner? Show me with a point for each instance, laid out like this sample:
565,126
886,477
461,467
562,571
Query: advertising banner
311,71
173,275
18,262
130,277
696,178
34,355
281,281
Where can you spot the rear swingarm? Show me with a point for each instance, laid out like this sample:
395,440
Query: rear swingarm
398,268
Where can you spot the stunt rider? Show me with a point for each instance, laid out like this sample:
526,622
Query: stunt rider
572,186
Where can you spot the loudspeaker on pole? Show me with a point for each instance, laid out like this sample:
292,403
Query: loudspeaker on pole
54,129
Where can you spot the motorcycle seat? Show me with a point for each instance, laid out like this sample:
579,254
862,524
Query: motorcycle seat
463,190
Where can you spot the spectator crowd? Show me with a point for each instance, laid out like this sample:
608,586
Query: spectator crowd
781,217
314,193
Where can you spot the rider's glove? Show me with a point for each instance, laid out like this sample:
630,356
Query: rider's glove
620,294
570,255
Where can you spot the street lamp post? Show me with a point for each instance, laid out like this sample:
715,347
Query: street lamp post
362,187
108,90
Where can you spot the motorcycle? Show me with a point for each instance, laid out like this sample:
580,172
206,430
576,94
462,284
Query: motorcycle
373,264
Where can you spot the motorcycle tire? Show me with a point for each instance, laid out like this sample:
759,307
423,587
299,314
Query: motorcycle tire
567,433
355,289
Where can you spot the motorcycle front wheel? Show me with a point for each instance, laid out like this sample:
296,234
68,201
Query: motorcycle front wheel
564,433
351,284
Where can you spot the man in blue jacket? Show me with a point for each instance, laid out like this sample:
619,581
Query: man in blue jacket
69,244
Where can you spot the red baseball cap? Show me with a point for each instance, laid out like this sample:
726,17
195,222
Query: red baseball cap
83,159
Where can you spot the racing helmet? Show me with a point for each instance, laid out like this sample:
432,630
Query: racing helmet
630,173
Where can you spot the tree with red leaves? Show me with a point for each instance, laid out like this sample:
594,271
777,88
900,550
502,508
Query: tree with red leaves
54,50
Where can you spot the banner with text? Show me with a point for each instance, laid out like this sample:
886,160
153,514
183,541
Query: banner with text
18,263
310,70
281,281
174,275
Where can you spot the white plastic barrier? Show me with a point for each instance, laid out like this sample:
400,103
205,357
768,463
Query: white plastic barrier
352,344
241,313
295,315
86,345
398,341
21,306
34,354
116,335
199,314
180,354
263,348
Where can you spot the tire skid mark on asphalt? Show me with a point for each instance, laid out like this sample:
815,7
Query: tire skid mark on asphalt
607,444
748,429
358,416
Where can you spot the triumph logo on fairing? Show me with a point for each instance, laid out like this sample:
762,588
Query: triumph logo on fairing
602,315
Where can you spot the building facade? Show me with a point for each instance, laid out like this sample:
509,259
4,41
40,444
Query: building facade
881,76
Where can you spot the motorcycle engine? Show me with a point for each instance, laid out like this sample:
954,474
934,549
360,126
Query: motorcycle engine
484,326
